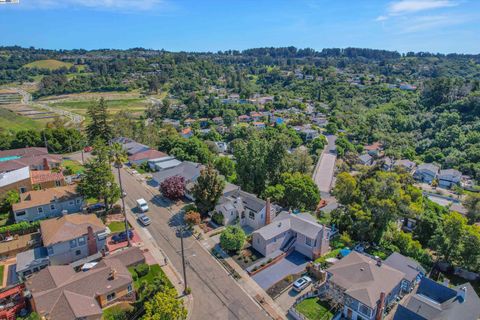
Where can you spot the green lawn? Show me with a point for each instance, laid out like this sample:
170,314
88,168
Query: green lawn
332,254
11,120
314,309
74,166
116,226
2,267
114,105
113,312
155,271
50,64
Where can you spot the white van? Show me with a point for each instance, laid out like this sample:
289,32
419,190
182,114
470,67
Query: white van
142,205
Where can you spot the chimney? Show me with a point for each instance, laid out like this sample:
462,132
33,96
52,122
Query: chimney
380,307
91,241
112,274
462,294
267,212
45,164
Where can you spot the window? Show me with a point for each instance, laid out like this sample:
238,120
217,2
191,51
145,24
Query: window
364,310
78,201
20,213
50,250
58,183
23,189
71,202
129,288
52,207
81,241
78,252
308,241
40,210
73,243
251,215
111,296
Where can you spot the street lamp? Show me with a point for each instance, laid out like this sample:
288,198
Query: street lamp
185,289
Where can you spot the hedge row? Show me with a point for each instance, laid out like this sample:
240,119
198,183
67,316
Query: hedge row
20,228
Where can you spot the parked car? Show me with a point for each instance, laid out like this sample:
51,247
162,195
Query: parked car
144,220
95,207
122,236
142,205
301,283
88,149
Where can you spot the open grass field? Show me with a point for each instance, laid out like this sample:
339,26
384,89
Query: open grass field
9,120
49,64
132,103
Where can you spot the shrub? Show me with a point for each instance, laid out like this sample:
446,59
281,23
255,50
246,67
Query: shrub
232,238
142,269
21,227
217,217
192,218
190,207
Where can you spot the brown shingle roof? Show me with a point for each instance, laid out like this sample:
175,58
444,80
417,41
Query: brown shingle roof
43,197
149,154
128,257
76,293
69,227
42,176
363,279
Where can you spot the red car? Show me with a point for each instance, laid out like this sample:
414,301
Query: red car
88,149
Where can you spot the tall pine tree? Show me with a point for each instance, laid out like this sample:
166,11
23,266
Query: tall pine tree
99,126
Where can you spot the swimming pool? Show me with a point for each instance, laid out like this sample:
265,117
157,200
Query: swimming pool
9,158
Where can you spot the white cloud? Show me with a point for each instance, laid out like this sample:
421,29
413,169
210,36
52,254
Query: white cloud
403,7
431,22
122,5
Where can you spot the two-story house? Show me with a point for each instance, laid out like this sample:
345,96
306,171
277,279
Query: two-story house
363,286
298,231
413,270
66,240
58,292
18,180
245,208
448,178
426,172
48,203
34,158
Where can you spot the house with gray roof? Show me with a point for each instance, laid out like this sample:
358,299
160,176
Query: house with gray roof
299,232
434,301
365,159
245,208
365,287
412,269
426,172
189,171
448,178
406,164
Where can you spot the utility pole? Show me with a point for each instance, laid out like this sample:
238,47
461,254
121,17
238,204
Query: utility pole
45,141
182,228
122,196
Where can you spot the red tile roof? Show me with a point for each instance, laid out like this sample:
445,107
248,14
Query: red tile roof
41,176
148,154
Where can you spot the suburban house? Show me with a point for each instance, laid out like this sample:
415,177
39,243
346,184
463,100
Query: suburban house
67,240
365,159
426,172
222,146
190,171
258,125
309,134
18,180
406,164
35,158
163,163
45,179
387,163
432,300
42,204
187,133
58,292
243,118
375,149
255,116
24,179
363,286
250,211
218,120
188,122
449,178
145,156
288,231
130,146
413,270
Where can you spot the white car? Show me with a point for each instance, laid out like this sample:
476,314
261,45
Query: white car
301,283
144,220
142,205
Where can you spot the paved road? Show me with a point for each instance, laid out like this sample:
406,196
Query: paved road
215,294
325,168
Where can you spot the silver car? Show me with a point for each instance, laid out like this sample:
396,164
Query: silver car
301,283
144,220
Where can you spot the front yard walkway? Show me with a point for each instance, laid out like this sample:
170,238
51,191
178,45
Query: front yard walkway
292,264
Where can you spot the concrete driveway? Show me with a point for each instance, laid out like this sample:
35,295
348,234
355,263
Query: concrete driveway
293,263
288,298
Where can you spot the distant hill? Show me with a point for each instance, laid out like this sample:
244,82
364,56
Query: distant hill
48,64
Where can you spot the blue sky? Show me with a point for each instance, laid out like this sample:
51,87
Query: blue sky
210,25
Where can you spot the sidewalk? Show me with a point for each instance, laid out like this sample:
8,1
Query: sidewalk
149,243
250,286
